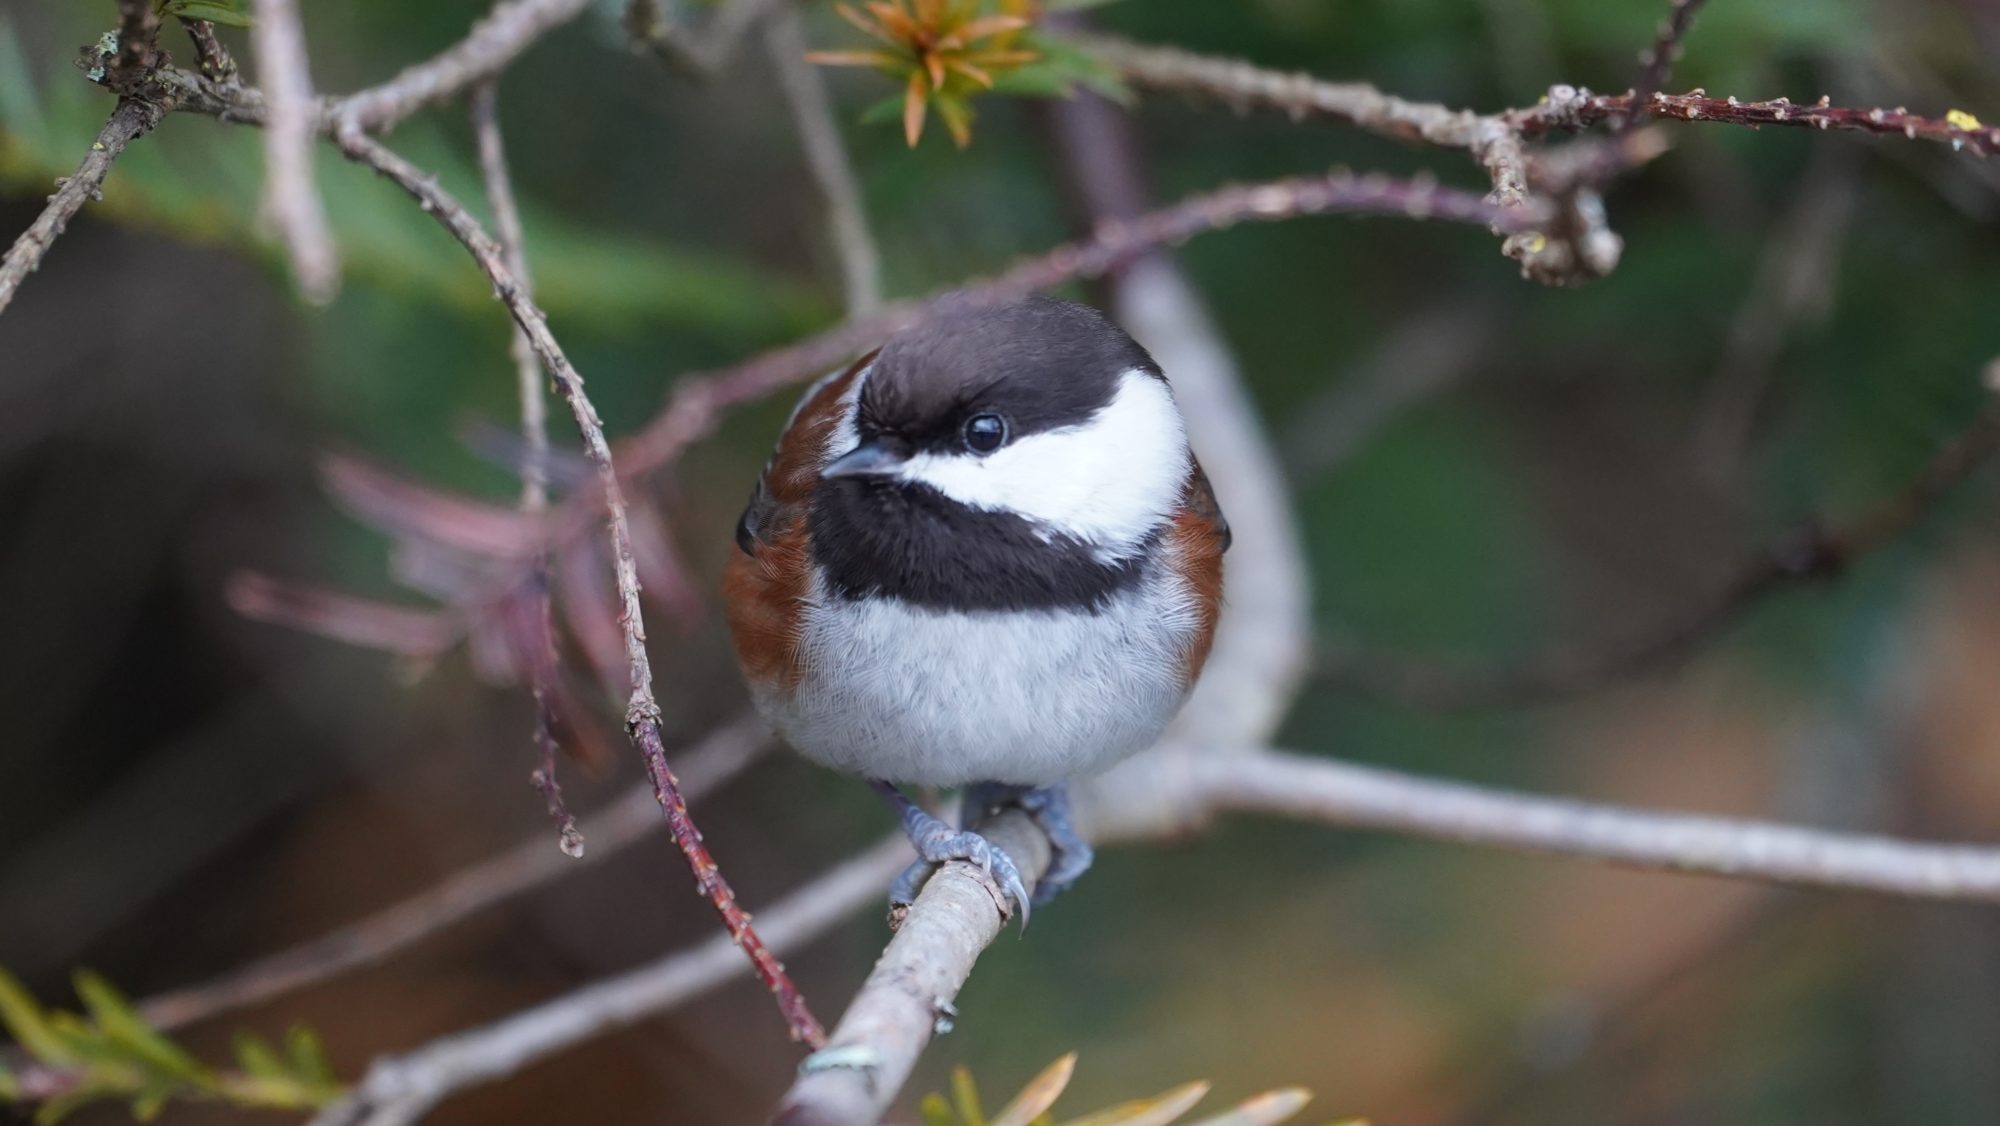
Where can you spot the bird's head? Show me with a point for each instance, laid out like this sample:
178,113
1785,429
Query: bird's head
1041,409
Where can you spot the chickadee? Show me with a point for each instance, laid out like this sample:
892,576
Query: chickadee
982,556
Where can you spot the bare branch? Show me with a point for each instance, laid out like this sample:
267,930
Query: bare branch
399,1089
507,228
1493,140
826,156
908,995
531,864
489,48
134,117
214,59
642,713
1960,130
138,47
291,199
542,660
1179,792
1657,61
1810,553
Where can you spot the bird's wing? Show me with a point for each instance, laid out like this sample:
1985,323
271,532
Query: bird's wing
1198,498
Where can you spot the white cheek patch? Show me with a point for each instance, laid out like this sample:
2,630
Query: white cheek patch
1109,482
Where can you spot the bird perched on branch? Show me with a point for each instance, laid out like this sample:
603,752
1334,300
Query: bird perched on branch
981,556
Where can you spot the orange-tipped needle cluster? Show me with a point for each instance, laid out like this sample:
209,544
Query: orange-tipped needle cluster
944,52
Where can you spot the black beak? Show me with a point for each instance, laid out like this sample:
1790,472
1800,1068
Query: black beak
874,458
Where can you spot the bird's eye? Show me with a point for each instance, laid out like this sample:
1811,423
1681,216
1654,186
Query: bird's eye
985,433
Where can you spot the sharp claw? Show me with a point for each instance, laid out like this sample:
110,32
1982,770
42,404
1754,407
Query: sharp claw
1004,873
936,851
937,843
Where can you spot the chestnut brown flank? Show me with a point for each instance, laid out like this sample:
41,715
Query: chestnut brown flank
1197,542
765,591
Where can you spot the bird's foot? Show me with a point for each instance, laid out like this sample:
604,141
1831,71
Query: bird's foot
1049,807
938,843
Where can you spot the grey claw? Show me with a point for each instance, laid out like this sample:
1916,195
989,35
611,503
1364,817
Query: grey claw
934,851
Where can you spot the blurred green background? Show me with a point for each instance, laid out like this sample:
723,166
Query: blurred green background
181,789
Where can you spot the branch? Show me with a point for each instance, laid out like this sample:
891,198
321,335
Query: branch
1961,130
291,200
541,660
213,58
1809,554
400,1089
1174,790
642,713
1181,791
908,996
134,117
1578,245
489,48
826,157
138,47
1657,61
520,869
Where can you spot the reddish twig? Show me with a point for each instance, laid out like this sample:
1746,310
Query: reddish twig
1657,61
642,713
541,658
1960,130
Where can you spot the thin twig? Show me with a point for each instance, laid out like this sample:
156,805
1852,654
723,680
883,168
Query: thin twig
542,662
489,48
400,1089
217,65
134,117
531,864
805,93
1577,244
642,713
291,199
1960,130
1657,61
1809,554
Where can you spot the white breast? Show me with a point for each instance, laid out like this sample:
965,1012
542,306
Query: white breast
944,698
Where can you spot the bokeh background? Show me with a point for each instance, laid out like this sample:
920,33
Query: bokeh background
1482,469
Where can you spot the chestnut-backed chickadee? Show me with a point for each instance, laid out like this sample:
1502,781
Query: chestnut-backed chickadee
982,556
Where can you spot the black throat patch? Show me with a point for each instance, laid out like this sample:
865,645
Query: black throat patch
873,537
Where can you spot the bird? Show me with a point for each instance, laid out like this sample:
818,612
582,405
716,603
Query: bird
981,556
